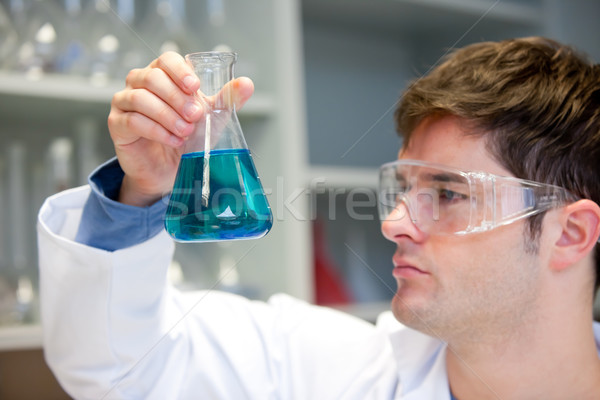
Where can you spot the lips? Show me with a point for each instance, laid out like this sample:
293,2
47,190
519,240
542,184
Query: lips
406,270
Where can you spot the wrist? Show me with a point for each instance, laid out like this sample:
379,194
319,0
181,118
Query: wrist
131,194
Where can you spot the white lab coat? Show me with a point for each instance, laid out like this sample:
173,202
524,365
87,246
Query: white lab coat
114,329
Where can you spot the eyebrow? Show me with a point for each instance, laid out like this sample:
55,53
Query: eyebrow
399,175
443,177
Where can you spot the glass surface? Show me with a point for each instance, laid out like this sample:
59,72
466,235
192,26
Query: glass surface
114,47
217,193
236,209
164,27
443,200
8,35
38,24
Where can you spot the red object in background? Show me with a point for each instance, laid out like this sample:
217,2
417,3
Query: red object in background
329,285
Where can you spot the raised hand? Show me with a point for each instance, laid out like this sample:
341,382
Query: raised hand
151,119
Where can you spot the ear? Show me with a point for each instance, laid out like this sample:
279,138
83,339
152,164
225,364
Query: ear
580,228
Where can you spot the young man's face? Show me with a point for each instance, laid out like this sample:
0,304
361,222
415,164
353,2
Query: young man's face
476,284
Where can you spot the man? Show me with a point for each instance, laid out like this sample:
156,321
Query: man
493,206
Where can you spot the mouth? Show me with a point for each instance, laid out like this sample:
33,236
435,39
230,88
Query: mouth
405,270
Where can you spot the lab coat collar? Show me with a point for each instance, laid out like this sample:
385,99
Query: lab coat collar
421,361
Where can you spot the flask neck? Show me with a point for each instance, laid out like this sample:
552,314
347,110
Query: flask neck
220,128
215,70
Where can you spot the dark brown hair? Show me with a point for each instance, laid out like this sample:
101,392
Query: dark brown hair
536,102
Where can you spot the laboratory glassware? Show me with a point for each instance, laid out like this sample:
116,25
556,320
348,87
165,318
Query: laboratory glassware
165,28
38,24
217,193
8,35
114,46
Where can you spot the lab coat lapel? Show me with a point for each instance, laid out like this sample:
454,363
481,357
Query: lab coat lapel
421,361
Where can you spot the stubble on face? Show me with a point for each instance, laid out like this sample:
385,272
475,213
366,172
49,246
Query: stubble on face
478,286
481,288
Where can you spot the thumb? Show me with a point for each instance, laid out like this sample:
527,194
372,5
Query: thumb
236,91
243,88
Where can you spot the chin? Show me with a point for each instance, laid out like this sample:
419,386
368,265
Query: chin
407,312
418,311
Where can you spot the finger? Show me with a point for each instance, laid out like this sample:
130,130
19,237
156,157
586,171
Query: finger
153,107
180,72
129,127
236,92
243,88
148,104
158,82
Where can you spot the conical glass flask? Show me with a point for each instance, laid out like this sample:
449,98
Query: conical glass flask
165,28
217,193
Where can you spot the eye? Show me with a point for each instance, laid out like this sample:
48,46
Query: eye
451,196
404,186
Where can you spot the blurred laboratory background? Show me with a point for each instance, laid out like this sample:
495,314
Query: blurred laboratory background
327,73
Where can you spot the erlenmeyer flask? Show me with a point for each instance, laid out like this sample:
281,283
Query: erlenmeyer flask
8,36
217,193
73,54
165,28
39,24
114,48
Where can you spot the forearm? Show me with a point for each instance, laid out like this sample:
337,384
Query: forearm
114,328
102,312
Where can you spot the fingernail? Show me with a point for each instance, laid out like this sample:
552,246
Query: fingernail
191,109
175,140
181,125
189,81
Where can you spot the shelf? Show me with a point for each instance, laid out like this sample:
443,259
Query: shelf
17,94
517,12
342,177
20,337
56,87
407,16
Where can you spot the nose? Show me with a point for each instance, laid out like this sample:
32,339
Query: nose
398,225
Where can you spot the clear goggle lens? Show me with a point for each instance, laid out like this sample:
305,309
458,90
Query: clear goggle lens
443,200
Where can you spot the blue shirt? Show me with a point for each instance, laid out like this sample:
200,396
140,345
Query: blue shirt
122,225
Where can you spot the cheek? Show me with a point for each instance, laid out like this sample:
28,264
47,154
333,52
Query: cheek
471,261
490,268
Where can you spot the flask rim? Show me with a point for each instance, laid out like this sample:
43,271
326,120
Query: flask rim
225,56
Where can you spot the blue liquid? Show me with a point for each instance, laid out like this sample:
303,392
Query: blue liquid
237,207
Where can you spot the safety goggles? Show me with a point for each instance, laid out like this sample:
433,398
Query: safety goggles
444,201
